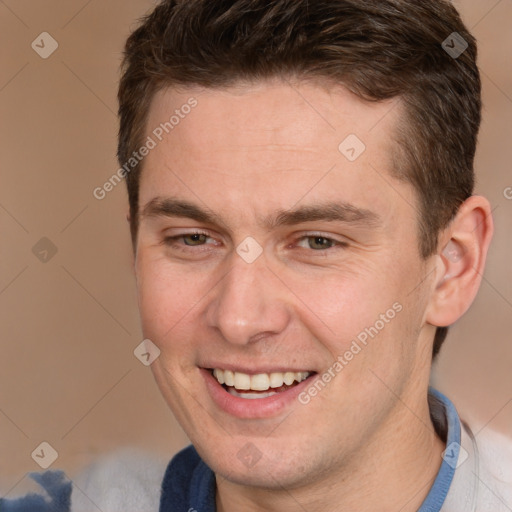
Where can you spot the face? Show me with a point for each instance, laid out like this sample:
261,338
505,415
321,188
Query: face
273,249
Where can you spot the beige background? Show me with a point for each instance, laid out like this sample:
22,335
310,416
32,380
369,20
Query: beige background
69,326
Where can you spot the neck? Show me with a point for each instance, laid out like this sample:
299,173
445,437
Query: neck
394,471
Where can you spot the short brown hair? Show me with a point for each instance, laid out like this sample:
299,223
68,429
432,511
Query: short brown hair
378,49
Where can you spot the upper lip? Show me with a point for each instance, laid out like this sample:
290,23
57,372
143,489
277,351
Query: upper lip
255,370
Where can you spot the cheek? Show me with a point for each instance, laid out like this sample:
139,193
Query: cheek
167,298
343,303
364,320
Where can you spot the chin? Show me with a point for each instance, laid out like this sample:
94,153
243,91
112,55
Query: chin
263,468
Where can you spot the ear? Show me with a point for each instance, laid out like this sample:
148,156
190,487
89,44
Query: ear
463,247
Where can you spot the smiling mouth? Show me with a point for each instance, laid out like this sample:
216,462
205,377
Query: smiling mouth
261,385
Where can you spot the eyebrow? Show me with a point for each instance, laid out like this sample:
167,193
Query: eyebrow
327,212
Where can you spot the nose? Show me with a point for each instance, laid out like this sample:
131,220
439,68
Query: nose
249,303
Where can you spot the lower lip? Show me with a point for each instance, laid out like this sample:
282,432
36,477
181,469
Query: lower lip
252,407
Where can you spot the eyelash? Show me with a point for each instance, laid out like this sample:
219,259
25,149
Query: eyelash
171,241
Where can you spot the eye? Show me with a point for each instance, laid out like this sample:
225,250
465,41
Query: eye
194,239
319,243
185,240
314,242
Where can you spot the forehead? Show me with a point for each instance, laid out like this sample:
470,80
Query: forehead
307,114
270,144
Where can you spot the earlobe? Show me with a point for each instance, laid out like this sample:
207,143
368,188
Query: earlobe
463,247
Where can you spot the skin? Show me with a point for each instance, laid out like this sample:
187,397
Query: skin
248,153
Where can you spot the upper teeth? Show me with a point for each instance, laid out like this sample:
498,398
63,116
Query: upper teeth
258,382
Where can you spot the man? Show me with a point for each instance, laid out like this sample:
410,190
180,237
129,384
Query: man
300,179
